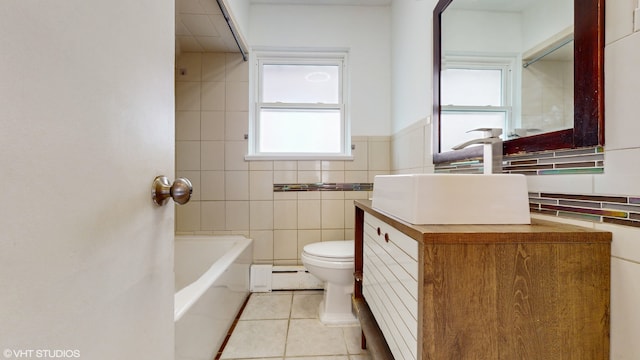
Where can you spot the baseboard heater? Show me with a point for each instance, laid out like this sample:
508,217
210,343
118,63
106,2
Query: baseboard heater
265,278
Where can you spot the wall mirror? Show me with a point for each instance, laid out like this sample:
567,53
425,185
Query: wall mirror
531,67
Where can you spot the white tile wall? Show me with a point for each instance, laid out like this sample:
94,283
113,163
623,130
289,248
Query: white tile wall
262,246
309,214
212,125
621,173
187,125
232,195
189,67
236,125
379,156
237,215
285,213
188,96
619,19
360,154
237,99
212,155
409,150
260,185
236,185
187,155
285,244
332,214
621,88
571,184
261,215
213,96
625,317
626,244
213,216
307,237
234,155
212,187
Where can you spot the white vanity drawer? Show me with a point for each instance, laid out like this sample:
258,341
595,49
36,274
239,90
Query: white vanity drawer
405,243
390,285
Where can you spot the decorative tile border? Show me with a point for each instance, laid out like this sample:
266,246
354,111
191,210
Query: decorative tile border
621,210
323,187
559,162
573,161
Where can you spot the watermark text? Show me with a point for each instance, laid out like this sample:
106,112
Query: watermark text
41,353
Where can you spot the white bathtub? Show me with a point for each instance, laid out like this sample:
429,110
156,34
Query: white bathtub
212,283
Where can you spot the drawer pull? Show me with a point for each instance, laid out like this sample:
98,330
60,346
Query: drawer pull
379,232
386,237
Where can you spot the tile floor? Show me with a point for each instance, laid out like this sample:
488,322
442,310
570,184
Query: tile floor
284,325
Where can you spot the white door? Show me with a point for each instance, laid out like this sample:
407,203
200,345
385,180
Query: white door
86,123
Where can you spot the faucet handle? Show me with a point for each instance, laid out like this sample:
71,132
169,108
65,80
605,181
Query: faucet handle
489,132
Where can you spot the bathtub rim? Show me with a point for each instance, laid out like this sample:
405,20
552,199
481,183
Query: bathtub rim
187,296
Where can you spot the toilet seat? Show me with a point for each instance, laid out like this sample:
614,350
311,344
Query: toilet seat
339,251
328,263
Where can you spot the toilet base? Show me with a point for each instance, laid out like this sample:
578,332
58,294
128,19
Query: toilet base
335,307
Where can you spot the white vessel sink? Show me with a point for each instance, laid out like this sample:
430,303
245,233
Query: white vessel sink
453,198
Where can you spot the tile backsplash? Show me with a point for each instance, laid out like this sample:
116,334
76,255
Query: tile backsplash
620,210
323,187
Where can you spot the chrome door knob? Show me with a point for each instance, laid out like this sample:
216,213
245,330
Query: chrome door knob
162,190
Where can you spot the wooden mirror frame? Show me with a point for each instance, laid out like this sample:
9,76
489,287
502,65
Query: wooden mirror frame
588,124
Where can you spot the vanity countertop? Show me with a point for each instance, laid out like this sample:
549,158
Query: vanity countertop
539,231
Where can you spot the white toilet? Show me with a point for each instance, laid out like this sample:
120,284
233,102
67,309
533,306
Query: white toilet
332,262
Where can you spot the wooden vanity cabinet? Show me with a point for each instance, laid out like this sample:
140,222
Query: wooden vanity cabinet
538,291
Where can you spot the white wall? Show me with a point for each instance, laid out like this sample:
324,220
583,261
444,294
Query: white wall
411,62
481,32
364,30
555,17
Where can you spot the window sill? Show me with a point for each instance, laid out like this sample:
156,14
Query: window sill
261,157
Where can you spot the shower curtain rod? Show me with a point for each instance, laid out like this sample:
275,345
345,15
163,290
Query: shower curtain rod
234,31
539,57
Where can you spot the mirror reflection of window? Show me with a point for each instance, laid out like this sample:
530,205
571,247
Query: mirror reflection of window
473,95
469,86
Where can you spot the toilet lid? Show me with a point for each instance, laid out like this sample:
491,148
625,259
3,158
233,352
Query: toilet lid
331,249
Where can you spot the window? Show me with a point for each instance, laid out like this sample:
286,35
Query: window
299,107
475,93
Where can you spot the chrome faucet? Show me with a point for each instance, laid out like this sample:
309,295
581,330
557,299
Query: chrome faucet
491,149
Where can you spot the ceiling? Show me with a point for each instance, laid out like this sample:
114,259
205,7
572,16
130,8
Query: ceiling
494,5
325,2
201,27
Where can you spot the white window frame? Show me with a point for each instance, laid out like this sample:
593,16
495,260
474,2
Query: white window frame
258,58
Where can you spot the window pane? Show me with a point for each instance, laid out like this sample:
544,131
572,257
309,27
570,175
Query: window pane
310,84
454,126
471,87
300,131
